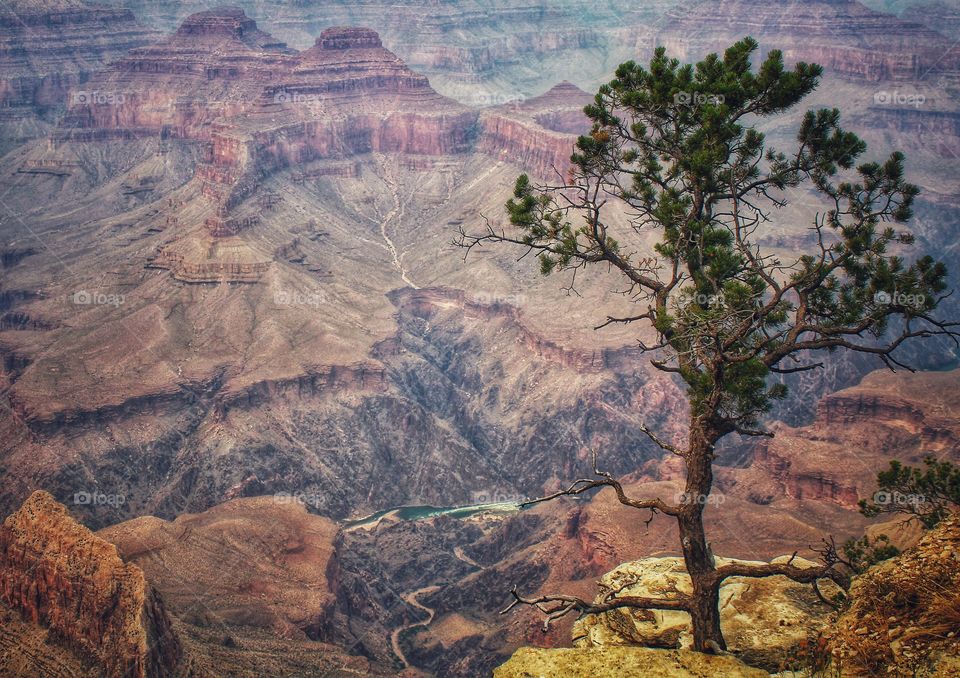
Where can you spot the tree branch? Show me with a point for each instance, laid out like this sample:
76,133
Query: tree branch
558,606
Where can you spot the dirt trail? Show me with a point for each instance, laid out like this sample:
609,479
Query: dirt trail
411,599
458,552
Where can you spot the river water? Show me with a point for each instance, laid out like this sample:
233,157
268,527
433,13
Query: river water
424,512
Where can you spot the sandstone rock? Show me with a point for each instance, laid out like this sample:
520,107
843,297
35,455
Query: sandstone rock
762,619
884,417
624,662
539,134
60,576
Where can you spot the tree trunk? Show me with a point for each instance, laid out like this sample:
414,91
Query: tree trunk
697,555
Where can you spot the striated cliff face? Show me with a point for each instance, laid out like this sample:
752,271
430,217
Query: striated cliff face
58,575
469,49
258,107
937,15
538,134
935,128
47,48
884,417
844,36
218,67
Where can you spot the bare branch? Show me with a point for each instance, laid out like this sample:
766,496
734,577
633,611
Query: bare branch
558,606
604,479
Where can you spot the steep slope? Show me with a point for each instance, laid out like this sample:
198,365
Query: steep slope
904,612
261,562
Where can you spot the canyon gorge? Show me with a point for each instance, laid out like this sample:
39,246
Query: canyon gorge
246,376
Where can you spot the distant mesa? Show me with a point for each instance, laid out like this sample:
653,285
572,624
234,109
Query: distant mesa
222,20
227,23
343,37
844,36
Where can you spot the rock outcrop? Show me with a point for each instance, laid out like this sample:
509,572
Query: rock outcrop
60,576
763,620
904,614
626,662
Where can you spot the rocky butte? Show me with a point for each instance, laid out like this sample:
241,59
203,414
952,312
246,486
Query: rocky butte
59,576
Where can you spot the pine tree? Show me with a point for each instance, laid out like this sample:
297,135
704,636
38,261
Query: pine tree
677,145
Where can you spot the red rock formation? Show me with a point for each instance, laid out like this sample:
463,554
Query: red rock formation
856,433
262,107
322,379
539,134
59,575
257,561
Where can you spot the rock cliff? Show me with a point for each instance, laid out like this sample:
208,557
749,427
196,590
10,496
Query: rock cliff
538,134
884,417
60,576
